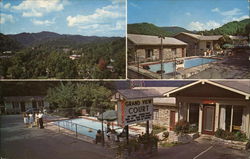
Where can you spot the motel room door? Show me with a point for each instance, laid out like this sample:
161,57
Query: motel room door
208,119
172,120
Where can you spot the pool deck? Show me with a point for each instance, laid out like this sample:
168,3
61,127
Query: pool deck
179,74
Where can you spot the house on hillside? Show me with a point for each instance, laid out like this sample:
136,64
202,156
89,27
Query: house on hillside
147,48
212,105
239,40
198,44
19,104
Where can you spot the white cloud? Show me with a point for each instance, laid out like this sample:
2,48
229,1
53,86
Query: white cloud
198,26
105,19
6,18
188,13
43,22
233,12
215,10
7,5
38,8
229,19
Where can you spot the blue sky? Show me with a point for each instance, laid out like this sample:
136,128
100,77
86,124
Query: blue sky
83,17
190,14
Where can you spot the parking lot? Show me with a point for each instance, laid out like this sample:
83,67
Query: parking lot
33,143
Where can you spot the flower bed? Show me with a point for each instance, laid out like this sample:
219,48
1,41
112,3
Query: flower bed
144,146
237,140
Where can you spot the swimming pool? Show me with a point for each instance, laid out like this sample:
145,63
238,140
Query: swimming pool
84,125
188,63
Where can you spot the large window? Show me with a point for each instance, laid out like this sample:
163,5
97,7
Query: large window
194,113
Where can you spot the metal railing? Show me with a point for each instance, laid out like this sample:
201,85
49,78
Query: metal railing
76,128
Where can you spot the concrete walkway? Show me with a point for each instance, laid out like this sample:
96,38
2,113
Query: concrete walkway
233,67
19,142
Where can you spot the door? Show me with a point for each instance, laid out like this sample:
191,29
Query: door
172,120
208,119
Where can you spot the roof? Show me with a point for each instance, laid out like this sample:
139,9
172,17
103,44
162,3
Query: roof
202,37
238,37
240,86
139,93
154,40
23,98
161,90
165,101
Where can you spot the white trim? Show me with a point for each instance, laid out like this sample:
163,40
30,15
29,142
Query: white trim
247,95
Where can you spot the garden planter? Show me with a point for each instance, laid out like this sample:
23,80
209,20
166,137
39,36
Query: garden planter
240,145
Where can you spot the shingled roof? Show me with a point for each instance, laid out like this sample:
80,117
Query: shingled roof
202,37
154,40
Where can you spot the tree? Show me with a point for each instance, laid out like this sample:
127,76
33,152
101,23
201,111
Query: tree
62,97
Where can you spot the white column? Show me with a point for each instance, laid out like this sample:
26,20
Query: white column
217,111
200,117
232,115
248,121
222,123
188,112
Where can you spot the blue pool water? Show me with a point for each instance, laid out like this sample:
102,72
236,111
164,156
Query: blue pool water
83,126
169,66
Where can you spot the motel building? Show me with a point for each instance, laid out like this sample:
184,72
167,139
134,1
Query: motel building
206,104
213,105
20,104
147,48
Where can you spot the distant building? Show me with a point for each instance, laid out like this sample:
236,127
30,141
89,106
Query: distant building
74,57
239,40
198,44
147,47
7,52
18,104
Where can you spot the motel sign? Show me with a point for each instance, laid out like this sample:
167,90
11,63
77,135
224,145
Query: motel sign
134,111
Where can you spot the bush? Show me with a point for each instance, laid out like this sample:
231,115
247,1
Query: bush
182,126
165,134
237,136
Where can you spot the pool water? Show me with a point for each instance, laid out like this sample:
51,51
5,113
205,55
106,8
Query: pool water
188,63
83,126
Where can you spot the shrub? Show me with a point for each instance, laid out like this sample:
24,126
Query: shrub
182,126
237,136
165,134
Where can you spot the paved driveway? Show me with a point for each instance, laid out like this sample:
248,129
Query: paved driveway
201,149
18,142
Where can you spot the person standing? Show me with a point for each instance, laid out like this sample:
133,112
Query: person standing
40,119
31,120
25,119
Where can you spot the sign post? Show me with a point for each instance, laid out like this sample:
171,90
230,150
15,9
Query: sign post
134,111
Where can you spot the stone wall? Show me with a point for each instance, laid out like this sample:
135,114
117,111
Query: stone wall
168,54
163,118
192,44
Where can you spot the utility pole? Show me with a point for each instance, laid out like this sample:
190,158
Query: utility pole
161,54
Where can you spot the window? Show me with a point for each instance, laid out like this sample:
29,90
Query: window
149,53
194,113
208,45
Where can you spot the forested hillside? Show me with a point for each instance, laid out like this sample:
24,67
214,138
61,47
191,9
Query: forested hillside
231,28
146,29
98,57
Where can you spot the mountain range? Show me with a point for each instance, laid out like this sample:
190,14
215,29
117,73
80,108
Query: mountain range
230,28
11,41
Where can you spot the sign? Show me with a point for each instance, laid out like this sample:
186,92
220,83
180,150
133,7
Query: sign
134,111
208,102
